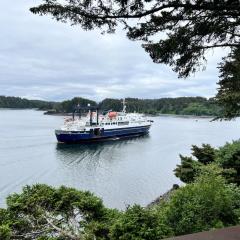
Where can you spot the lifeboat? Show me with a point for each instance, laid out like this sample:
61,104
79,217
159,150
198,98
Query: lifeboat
112,115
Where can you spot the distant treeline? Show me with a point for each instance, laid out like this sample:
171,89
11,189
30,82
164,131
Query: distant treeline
17,102
182,105
198,106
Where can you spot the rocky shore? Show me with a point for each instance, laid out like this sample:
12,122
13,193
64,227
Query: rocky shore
165,197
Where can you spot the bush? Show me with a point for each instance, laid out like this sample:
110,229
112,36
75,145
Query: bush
205,204
44,212
139,223
228,157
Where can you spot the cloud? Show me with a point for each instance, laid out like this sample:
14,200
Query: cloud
45,59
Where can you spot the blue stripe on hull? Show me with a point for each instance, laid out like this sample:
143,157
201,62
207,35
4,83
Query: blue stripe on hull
75,137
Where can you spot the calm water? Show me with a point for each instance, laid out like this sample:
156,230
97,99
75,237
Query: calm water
120,172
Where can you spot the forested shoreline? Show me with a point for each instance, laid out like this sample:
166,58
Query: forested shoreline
23,103
197,106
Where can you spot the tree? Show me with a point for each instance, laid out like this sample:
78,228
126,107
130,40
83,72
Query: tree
17,102
43,212
69,105
174,32
229,92
227,157
138,223
189,168
204,154
206,203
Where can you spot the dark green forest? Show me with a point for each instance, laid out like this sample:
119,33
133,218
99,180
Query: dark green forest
182,105
198,106
21,103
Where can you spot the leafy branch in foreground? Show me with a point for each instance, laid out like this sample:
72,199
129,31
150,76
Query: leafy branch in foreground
173,32
190,27
63,213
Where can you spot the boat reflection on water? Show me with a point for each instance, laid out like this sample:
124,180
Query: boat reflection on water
106,150
108,169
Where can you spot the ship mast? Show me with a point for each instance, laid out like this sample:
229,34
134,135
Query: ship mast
124,106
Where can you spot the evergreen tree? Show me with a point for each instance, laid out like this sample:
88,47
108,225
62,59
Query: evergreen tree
173,32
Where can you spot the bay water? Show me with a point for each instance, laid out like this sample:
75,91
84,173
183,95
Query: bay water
120,172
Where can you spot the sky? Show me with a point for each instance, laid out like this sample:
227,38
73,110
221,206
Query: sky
44,59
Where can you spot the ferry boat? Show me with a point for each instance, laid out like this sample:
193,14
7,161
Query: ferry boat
97,126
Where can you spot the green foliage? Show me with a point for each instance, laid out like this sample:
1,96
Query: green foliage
16,102
179,105
200,109
205,204
174,32
111,104
62,213
5,232
69,105
189,168
229,91
204,154
227,157
138,223
182,47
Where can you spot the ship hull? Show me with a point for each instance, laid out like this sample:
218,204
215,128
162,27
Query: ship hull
100,135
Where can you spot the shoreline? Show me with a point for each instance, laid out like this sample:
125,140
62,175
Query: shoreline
150,115
183,116
50,113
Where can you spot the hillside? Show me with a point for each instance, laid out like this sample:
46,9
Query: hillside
198,106
179,106
17,102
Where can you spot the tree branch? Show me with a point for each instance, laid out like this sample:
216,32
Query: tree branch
61,231
219,45
77,10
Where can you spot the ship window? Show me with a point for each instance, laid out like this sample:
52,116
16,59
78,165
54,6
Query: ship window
123,123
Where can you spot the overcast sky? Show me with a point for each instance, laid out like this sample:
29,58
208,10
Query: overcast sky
43,59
